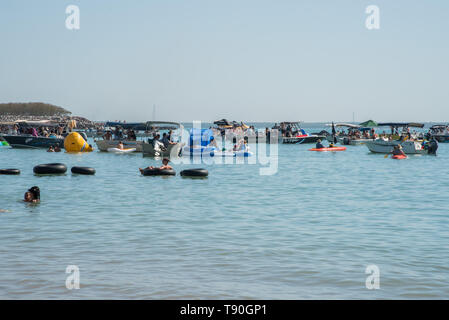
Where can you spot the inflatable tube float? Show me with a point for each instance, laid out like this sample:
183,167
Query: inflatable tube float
117,150
329,149
50,168
83,170
158,172
74,142
399,157
9,171
231,154
194,173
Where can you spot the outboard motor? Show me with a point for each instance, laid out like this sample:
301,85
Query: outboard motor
433,147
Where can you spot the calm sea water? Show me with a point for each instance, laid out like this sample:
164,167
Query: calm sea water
307,232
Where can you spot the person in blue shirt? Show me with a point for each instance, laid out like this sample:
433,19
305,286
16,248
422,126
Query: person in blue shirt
319,145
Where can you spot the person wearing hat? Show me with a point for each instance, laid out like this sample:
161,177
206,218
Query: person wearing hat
165,166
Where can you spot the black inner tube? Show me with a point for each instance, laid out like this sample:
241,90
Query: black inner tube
195,173
50,168
83,170
158,172
10,171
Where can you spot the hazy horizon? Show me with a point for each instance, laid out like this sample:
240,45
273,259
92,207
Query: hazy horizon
254,61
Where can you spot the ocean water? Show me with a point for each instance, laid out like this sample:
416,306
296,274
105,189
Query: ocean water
307,232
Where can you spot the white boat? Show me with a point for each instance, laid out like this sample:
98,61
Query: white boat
353,142
386,146
172,150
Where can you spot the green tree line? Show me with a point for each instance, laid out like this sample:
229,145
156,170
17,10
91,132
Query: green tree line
32,109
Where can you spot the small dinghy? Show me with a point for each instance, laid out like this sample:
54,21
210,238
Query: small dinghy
117,150
399,157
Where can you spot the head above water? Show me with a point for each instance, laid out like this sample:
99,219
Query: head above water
28,197
165,161
36,192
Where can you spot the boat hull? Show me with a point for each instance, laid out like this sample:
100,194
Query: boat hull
30,142
301,139
381,146
173,150
352,142
442,138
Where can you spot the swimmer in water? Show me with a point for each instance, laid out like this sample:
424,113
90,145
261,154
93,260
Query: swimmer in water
33,195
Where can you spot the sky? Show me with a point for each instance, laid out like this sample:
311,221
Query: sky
244,60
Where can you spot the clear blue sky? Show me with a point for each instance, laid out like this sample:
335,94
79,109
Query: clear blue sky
252,60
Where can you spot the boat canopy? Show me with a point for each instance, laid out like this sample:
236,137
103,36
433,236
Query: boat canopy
439,126
369,124
402,124
224,123
163,125
349,125
144,126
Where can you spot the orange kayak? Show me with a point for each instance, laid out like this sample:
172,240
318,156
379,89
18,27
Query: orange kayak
399,157
329,149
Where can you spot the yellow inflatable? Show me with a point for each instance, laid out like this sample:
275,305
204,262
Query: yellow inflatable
74,142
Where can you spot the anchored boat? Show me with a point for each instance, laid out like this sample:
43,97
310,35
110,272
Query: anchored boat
291,133
33,140
440,133
386,145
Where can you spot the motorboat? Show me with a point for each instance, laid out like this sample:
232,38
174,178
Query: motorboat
291,133
387,146
173,149
353,137
127,133
34,141
440,133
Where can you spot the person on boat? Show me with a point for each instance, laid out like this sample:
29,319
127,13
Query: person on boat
319,145
165,166
166,141
397,150
120,145
107,135
158,146
212,143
